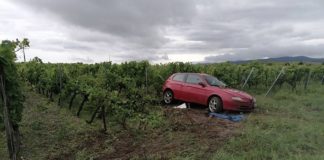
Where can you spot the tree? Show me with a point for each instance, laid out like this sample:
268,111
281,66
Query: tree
22,45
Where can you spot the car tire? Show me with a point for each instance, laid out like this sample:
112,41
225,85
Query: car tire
168,97
215,104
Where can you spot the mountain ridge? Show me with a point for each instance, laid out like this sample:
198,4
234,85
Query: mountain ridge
287,59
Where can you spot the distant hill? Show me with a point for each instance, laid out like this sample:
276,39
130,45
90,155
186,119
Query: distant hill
285,59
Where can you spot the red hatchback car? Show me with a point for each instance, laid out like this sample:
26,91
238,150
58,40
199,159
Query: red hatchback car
206,90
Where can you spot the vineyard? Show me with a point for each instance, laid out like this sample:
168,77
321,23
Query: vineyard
127,96
73,79
123,90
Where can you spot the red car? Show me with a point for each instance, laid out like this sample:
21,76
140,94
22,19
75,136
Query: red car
206,90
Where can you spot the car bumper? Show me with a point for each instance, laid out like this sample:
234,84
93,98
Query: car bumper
241,106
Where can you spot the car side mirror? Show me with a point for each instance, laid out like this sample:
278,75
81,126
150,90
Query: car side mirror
202,84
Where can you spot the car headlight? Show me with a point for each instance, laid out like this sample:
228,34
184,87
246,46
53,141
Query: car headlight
237,99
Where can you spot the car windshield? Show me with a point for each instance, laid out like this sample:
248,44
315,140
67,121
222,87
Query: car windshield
213,81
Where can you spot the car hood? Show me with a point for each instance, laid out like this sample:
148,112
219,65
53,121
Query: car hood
237,93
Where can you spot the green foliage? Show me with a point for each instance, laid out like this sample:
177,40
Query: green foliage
23,44
126,89
12,84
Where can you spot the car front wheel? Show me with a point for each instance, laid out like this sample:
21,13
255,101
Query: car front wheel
168,97
215,104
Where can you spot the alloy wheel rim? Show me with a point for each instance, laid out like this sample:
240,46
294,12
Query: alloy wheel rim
167,97
212,105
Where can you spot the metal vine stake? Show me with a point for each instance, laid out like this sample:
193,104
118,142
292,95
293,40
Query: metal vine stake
247,79
280,73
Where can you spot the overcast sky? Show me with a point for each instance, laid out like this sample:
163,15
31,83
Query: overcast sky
164,30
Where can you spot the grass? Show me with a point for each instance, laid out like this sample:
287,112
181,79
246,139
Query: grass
3,146
48,130
288,125
285,125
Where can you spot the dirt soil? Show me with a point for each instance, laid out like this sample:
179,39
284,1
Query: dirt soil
52,132
191,131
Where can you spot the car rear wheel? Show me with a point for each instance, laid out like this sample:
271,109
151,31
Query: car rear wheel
215,104
168,97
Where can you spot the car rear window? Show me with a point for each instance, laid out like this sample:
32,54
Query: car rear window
179,77
193,78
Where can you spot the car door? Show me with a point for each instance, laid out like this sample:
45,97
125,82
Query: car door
194,92
177,85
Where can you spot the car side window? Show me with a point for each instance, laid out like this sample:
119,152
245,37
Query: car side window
179,77
193,79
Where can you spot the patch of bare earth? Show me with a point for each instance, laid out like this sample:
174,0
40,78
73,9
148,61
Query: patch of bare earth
190,130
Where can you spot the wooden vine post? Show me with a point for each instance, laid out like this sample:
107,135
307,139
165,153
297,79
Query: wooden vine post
85,99
99,99
103,114
72,99
13,142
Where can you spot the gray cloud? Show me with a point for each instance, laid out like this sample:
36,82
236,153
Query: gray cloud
143,56
83,60
154,30
139,22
